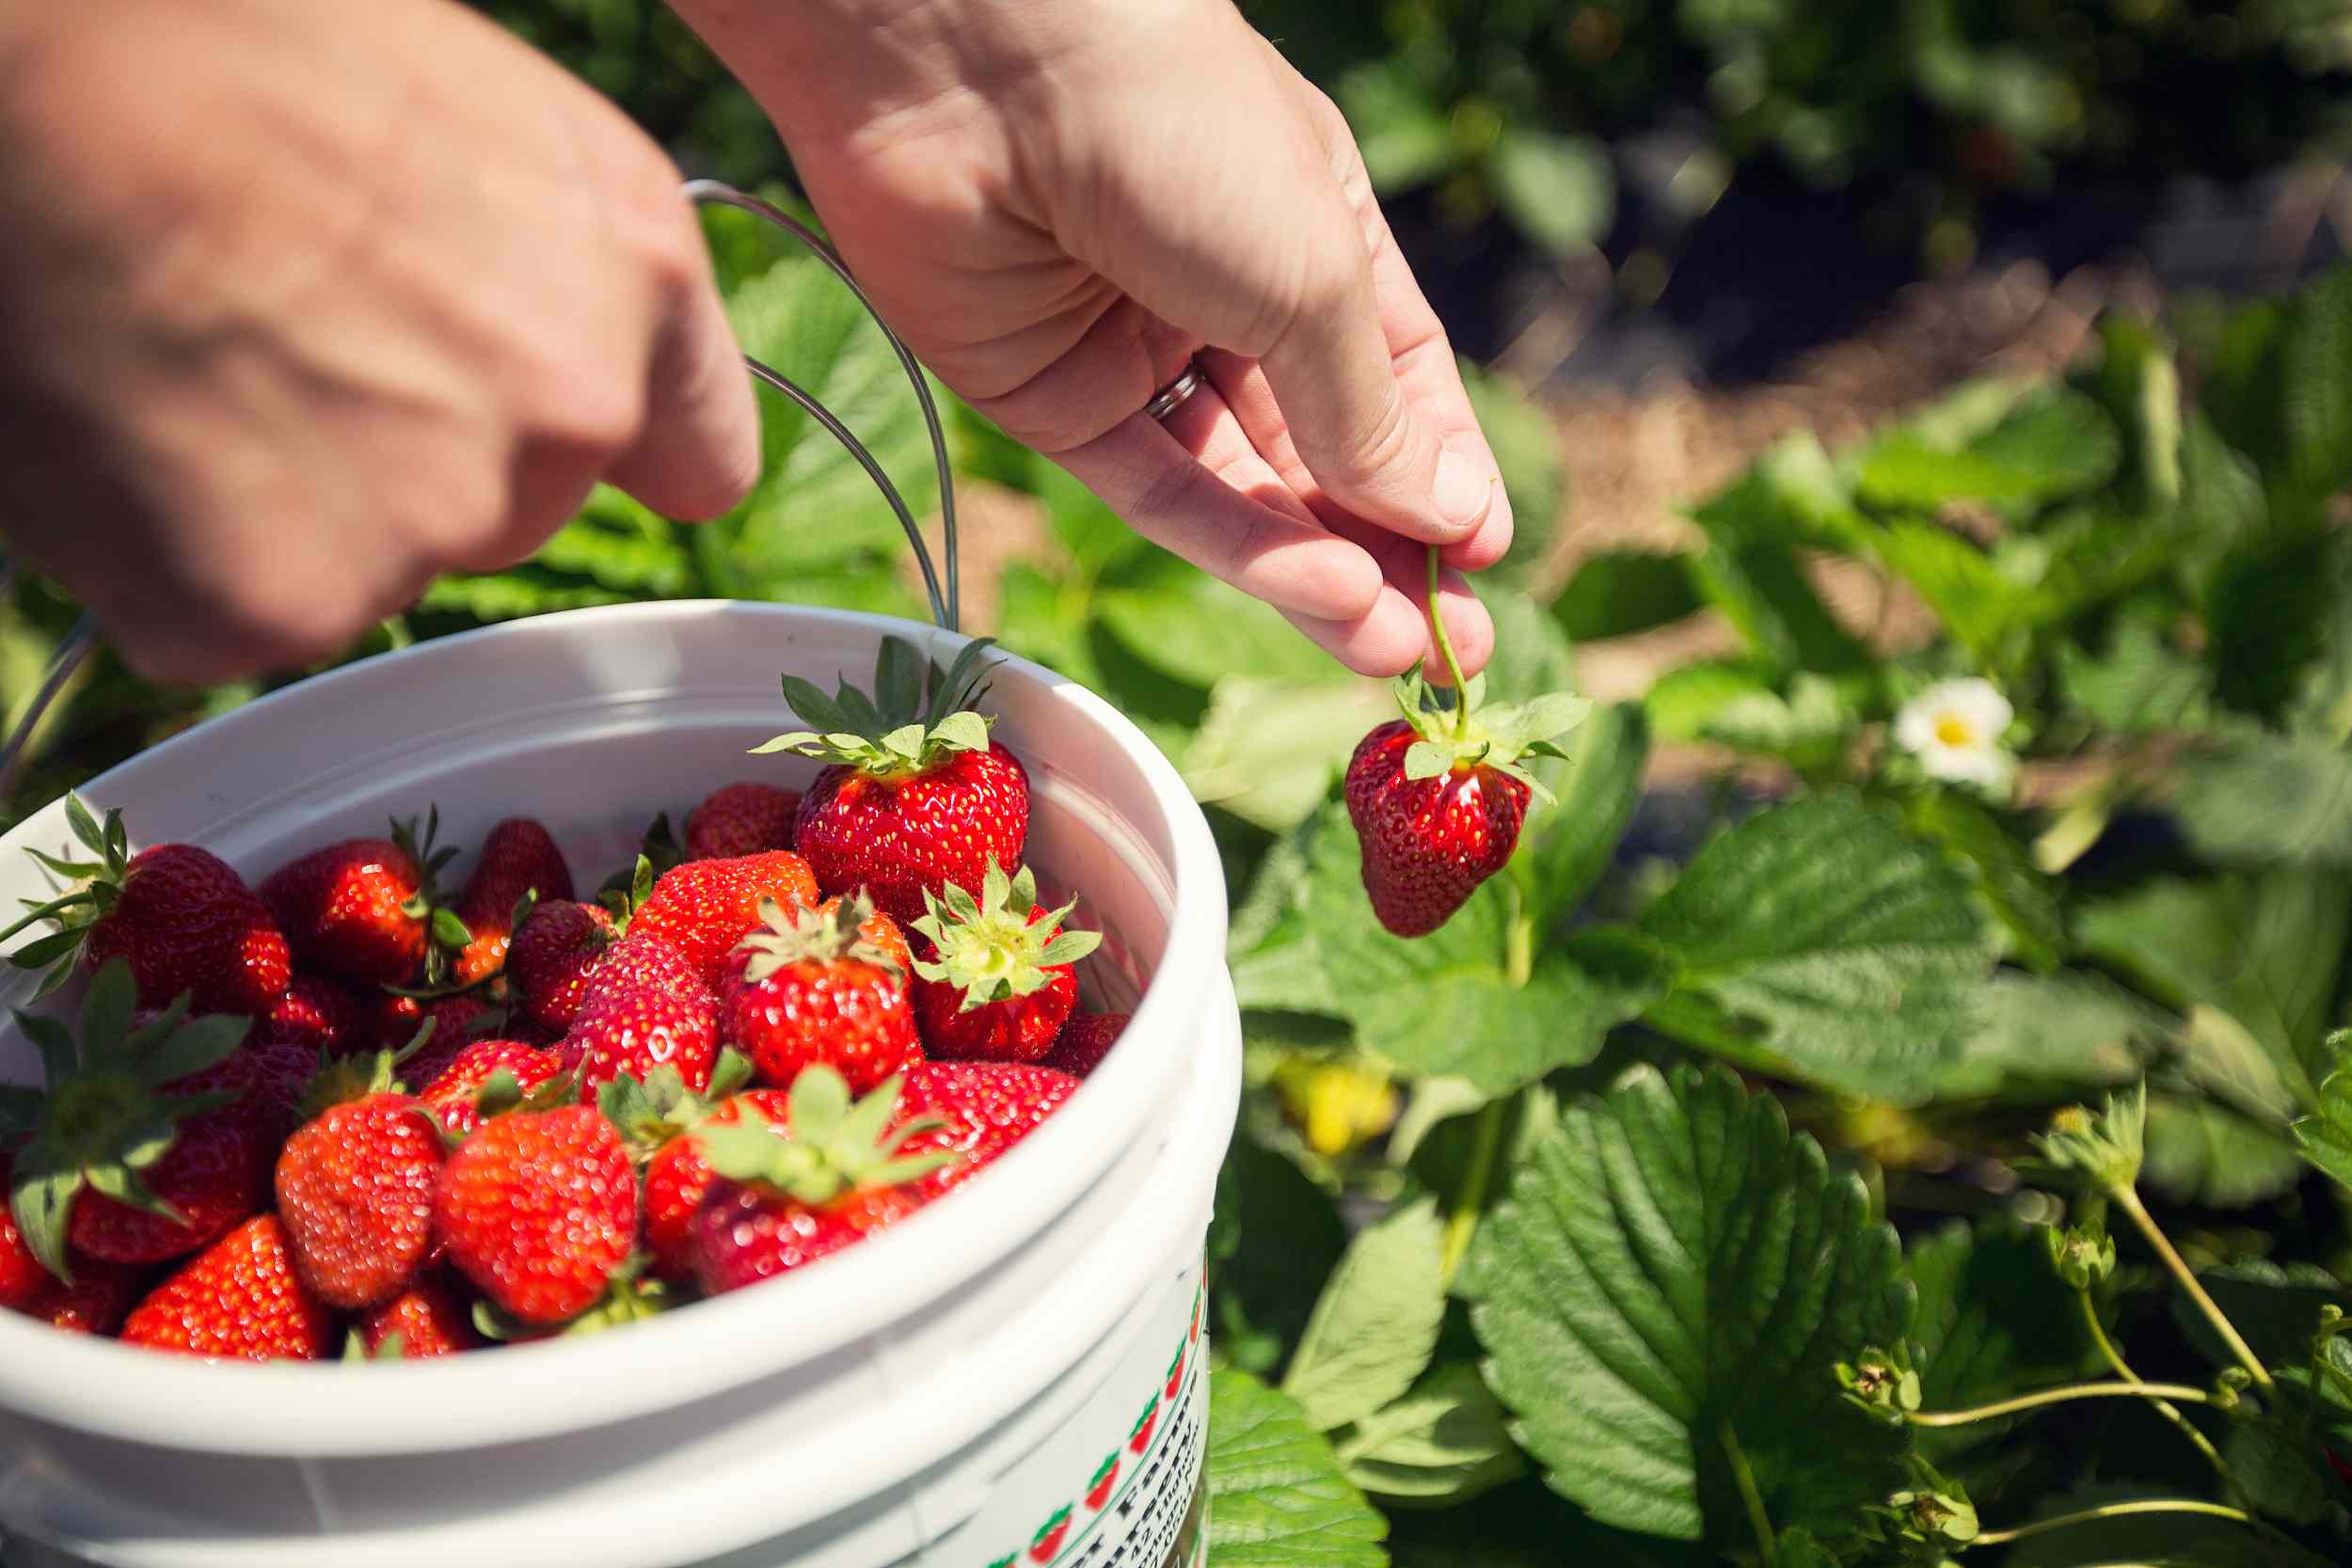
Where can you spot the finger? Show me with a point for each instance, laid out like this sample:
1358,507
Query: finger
1419,351
699,450
1212,499
1242,388
1368,447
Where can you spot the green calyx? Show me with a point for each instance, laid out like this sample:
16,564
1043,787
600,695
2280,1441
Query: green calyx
834,1144
812,936
902,727
988,947
102,1118
652,1111
630,1297
445,934
2102,1150
340,1080
625,891
92,886
1457,732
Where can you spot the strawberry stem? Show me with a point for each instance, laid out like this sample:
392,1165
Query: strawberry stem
1445,648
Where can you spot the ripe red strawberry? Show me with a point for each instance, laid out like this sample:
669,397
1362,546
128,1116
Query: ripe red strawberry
808,988
21,1278
355,1186
240,1299
178,915
742,819
641,961
359,909
454,1094
426,1320
518,859
658,1119
995,983
1085,1041
539,1210
457,1022
837,1177
316,1017
1439,796
916,794
980,1109
638,1029
880,931
156,1108
703,907
547,963
95,1302
318,1014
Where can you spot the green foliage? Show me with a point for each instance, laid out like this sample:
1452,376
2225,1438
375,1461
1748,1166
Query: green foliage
1277,1496
1818,941
1661,1298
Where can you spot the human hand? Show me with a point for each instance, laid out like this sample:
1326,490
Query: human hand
1057,205
302,304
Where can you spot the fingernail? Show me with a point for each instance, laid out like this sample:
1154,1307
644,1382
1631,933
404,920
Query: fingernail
1465,490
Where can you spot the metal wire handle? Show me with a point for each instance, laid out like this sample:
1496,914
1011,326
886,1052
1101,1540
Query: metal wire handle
947,611
946,606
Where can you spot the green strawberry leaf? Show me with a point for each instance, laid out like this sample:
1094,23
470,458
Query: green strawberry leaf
815,510
2053,442
2015,891
2262,798
1274,1239
2325,1136
1277,1496
1268,750
2040,1037
2140,684
1673,1273
1444,1005
1818,941
1566,847
1196,630
2275,1307
1447,1441
1750,571
1994,1319
1616,593
1374,1328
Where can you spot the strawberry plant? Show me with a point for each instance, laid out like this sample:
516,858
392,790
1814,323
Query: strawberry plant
1711,1180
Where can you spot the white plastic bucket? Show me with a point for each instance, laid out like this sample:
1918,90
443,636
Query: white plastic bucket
939,1394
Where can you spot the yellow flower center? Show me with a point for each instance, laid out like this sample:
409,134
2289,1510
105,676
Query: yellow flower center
1952,730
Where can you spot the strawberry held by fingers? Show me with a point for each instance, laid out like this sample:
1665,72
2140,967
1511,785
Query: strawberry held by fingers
811,989
997,984
916,794
140,1150
1438,797
836,1176
181,917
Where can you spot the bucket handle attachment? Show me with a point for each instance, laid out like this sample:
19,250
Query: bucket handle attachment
946,605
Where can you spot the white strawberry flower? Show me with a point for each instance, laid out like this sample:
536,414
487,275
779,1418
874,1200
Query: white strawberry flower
1954,728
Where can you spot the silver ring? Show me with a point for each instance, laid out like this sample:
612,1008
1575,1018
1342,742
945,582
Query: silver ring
1172,397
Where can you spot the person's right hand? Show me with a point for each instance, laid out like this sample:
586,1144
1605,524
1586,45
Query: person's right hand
301,304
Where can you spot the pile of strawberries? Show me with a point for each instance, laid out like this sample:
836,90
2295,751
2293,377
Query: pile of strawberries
338,1113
